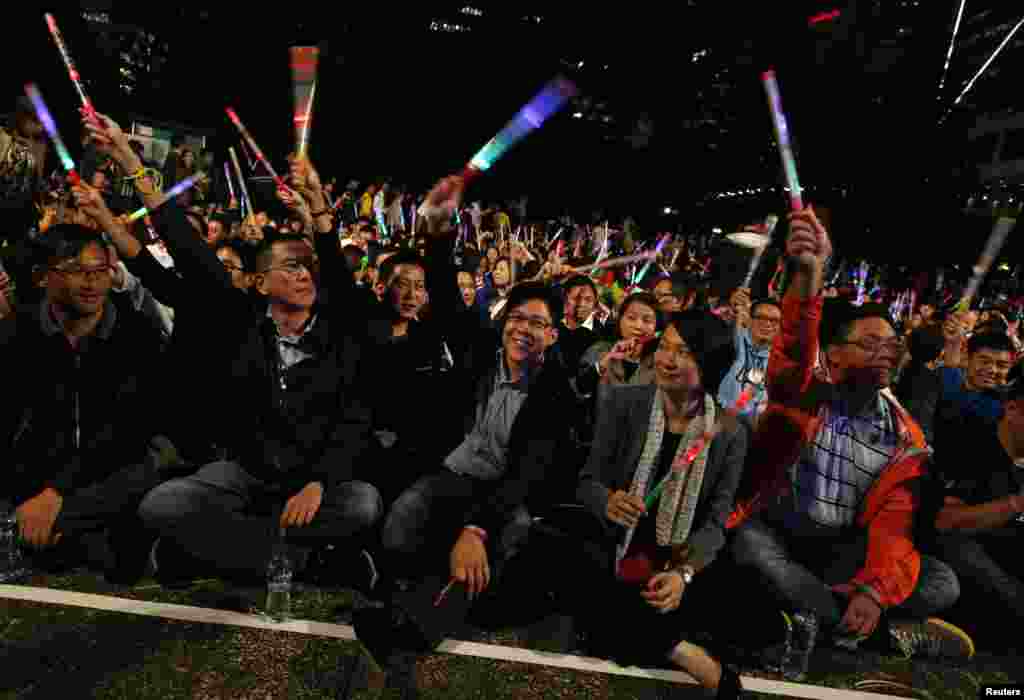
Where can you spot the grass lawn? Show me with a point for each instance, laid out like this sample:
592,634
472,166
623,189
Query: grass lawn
51,651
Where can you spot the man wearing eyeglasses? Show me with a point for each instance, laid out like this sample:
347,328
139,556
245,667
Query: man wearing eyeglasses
753,345
75,440
827,509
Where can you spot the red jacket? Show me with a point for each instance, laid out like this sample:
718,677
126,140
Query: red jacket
792,419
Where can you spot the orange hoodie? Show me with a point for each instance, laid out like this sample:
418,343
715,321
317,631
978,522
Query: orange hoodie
792,419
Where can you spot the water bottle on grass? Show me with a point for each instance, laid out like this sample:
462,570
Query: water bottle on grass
12,566
279,583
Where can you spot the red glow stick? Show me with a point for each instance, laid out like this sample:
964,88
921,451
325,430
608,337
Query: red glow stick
304,64
76,79
252,144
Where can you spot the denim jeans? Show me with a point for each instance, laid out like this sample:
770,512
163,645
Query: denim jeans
226,518
989,567
800,564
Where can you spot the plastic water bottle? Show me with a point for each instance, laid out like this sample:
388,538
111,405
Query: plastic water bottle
12,566
279,585
805,635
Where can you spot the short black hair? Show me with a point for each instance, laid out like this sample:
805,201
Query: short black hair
578,281
710,340
926,344
64,242
764,302
353,257
1000,342
839,316
531,291
402,257
264,255
243,251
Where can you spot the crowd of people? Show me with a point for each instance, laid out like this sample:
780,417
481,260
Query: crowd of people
443,407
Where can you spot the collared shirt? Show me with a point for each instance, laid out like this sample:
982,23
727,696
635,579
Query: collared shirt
837,469
289,349
750,368
484,452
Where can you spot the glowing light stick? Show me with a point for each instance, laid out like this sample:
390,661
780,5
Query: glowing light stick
771,88
252,145
686,459
657,251
616,262
248,158
547,102
76,79
862,278
246,204
996,239
46,119
227,176
769,223
304,64
168,196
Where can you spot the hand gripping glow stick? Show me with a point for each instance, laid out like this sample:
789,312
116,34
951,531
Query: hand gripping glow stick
168,196
996,239
686,459
304,65
771,88
252,145
769,223
657,251
76,79
46,119
227,176
246,204
546,103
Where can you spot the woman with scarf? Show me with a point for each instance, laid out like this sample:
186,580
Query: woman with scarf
657,489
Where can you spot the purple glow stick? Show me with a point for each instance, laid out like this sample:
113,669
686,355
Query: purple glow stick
50,126
168,196
771,88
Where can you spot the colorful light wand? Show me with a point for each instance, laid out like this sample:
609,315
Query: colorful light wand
769,224
546,103
46,119
616,262
995,242
771,88
657,251
686,459
246,204
227,176
76,79
168,196
252,145
304,61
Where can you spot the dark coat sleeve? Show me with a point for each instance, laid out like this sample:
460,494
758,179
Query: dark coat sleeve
598,473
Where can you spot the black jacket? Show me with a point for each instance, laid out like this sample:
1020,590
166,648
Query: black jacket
71,417
317,428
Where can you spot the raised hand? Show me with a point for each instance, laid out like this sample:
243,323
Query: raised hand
808,243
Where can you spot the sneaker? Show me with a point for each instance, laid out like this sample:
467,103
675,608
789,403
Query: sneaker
932,638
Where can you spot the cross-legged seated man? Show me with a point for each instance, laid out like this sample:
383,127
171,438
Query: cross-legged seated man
828,506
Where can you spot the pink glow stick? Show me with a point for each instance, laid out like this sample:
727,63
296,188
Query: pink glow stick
252,145
76,79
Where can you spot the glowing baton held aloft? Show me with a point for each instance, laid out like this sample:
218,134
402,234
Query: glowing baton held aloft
168,196
686,459
771,88
995,242
76,79
769,224
245,203
304,64
647,266
616,262
46,119
546,103
227,176
252,145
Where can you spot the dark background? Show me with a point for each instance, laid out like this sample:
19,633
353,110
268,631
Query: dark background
396,99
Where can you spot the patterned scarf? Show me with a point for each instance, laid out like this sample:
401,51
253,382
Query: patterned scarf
678,501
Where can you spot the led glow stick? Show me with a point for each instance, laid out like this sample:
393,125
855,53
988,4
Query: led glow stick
686,459
246,204
304,65
657,251
46,119
227,176
769,223
616,262
996,239
862,279
547,102
248,158
771,88
675,256
76,79
252,144
168,196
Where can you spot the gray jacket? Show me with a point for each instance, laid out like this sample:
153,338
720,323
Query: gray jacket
623,416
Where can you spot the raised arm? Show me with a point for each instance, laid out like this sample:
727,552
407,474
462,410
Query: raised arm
791,364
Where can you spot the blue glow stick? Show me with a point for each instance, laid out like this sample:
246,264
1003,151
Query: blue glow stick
50,126
169,195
